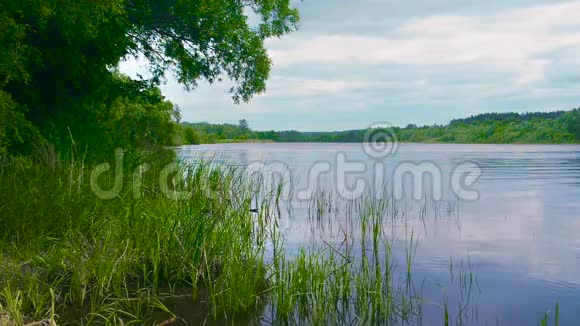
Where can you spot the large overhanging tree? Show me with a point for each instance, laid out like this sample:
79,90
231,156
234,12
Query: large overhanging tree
205,39
57,57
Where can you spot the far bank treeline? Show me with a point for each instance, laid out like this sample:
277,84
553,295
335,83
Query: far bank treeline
501,128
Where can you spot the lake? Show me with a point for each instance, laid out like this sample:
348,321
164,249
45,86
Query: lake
507,216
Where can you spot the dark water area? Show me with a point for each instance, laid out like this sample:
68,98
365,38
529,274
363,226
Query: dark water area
514,231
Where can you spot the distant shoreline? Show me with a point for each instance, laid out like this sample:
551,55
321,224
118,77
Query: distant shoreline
558,127
245,141
267,141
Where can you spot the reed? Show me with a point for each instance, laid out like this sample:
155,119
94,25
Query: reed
108,260
70,257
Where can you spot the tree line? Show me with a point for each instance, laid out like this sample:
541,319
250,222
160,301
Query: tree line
501,128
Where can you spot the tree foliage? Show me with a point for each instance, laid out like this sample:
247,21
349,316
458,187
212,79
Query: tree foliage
243,125
508,116
57,62
572,122
191,136
17,134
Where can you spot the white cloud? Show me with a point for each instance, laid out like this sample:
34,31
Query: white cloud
514,41
297,87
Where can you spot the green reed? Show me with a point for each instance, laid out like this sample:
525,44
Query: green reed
106,261
68,257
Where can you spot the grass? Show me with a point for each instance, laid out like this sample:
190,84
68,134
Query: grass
108,260
70,257
143,257
545,320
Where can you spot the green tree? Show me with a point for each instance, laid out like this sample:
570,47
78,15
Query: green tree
191,136
57,58
243,125
572,122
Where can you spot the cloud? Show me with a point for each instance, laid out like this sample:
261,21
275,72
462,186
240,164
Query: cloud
304,87
513,41
426,61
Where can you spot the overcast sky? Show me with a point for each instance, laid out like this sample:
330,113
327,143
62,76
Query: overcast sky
357,62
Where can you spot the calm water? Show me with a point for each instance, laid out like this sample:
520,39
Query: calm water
520,237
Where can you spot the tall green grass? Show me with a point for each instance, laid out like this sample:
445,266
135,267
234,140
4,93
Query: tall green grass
70,257
142,257
111,260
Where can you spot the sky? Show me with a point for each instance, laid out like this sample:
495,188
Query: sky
356,63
